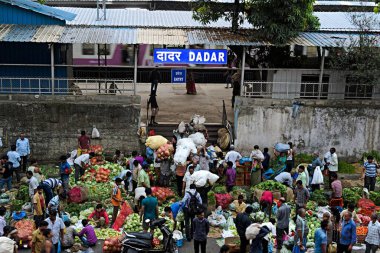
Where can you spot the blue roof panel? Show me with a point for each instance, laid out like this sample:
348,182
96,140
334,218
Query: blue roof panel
42,9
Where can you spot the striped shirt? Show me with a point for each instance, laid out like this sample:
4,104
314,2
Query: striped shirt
370,169
52,182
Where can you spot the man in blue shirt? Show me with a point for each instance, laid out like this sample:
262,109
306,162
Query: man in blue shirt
15,159
65,171
347,235
369,173
23,148
320,238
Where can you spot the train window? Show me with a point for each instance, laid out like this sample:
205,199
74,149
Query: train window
104,49
88,49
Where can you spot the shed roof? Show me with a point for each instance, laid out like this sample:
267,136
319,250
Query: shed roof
43,9
330,21
172,36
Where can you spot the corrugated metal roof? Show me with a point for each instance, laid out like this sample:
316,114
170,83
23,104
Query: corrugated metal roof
43,9
344,3
99,35
141,18
330,21
341,21
116,35
31,33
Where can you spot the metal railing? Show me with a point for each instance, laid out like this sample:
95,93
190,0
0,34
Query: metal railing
292,90
63,86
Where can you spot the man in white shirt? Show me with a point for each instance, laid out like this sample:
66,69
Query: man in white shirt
80,163
33,184
15,159
187,178
57,227
331,162
232,156
271,225
284,178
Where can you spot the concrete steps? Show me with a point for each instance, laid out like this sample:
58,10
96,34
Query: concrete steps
166,130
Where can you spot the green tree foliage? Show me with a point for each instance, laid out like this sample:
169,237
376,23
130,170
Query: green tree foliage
276,21
360,53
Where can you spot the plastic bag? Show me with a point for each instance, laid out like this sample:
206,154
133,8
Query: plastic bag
198,139
177,235
197,119
252,231
125,211
181,127
95,133
154,142
185,146
200,178
27,207
317,176
281,147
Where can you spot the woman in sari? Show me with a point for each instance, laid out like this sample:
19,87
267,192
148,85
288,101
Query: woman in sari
190,84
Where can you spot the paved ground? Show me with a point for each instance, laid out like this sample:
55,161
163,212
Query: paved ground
188,247
175,105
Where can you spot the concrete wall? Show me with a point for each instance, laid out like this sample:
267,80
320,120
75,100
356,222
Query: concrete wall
351,126
53,123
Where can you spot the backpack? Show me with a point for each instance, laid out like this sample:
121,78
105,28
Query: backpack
194,205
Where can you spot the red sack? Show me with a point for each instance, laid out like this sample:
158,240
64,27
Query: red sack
125,211
223,200
78,194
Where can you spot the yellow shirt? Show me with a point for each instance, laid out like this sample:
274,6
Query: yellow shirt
40,201
38,240
240,208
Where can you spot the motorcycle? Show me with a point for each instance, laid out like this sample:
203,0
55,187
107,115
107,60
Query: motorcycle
141,242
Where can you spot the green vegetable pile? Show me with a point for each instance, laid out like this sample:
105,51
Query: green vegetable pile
220,189
271,186
23,193
133,224
346,168
211,198
375,197
352,195
319,197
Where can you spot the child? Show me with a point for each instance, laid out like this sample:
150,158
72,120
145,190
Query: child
201,229
154,105
87,235
231,176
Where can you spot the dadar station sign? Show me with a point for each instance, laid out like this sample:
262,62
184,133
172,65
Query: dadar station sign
190,56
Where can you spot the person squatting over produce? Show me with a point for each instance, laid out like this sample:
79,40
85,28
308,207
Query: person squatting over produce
243,221
87,234
38,239
239,204
81,163
266,202
347,234
99,216
284,178
372,239
283,219
369,173
116,199
201,230
8,242
149,209
191,202
50,186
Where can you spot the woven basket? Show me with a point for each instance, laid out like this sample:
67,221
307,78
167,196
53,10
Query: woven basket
360,238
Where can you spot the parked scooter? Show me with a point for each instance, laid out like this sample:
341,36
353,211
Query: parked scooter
141,242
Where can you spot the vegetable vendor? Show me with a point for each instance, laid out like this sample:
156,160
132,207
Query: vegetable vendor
80,163
55,203
116,198
240,206
49,186
87,234
65,171
99,216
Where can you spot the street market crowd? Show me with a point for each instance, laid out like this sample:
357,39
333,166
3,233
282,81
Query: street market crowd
261,203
